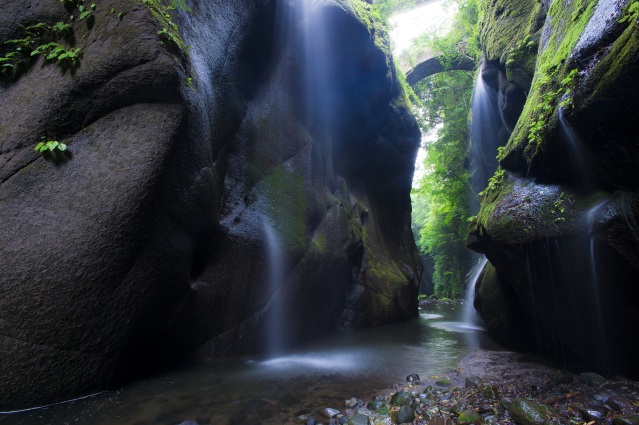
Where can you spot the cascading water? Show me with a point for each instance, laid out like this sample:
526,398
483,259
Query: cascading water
578,158
597,318
469,318
484,130
275,280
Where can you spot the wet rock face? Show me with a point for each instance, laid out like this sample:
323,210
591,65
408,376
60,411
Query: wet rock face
559,228
154,239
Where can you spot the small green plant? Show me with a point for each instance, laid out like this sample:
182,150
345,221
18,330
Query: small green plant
56,52
548,101
559,207
632,13
500,153
50,146
494,181
85,12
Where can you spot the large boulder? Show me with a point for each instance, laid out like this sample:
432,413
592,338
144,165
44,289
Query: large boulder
557,221
230,198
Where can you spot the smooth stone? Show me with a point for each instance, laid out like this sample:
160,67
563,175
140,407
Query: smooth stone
330,413
601,398
505,402
402,398
526,412
310,421
563,377
375,404
472,381
619,403
457,408
489,391
343,420
188,423
381,420
405,415
469,417
413,377
627,420
351,403
443,383
358,419
592,413
592,378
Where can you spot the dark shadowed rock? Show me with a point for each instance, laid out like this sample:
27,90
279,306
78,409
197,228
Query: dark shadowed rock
526,412
562,215
150,242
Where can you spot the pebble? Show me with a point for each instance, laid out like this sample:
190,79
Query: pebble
358,419
592,378
329,412
413,378
473,382
401,398
351,403
628,420
405,415
619,403
563,377
468,417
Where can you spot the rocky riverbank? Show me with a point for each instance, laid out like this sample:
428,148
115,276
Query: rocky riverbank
490,387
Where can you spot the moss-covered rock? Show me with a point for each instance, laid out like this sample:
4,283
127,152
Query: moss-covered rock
552,218
526,412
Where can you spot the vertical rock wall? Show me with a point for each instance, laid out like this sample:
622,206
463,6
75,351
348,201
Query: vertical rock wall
558,224
149,242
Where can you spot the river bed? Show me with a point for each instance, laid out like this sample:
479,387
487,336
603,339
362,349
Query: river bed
275,391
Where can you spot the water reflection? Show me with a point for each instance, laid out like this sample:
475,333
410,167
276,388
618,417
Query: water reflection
272,391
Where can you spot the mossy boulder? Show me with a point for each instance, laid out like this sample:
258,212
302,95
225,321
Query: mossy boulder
558,215
401,398
526,412
468,417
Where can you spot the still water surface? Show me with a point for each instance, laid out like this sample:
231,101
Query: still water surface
274,391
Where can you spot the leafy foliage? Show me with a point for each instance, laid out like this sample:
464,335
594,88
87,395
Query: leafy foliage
461,40
549,99
441,202
50,146
631,13
389,7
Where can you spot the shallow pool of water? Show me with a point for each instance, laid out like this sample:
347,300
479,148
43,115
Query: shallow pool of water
274,391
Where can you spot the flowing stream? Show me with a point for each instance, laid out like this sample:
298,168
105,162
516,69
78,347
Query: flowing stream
273,391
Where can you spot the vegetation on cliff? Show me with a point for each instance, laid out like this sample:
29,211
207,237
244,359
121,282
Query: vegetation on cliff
442,199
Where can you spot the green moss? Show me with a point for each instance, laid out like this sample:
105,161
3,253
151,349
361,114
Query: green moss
504,23
521,60
285,193
319,243
567,21
619,63
501,185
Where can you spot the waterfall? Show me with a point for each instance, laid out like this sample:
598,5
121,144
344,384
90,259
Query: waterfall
468,319
578,159
597,318
275,279
484,137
